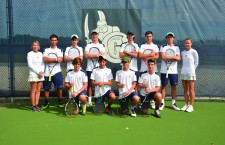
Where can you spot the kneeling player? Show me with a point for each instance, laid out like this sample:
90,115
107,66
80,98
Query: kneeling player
77,80
101,78
126,81
150,85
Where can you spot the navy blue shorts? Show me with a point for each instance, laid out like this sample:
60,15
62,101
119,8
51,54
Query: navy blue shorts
106,95
89,77
57,80
145,100
172,77
125,101
77,98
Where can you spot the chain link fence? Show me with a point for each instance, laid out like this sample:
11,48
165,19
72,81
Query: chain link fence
36,20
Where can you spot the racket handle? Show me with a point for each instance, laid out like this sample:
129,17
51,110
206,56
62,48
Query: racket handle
50,78
167,73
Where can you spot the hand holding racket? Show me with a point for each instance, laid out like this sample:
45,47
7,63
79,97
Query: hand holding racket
94,50
169,53
73,53
71,108
52,64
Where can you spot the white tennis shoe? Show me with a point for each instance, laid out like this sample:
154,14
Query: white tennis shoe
190,109
184,108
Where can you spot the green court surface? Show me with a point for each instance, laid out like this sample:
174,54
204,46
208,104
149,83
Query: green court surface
20,126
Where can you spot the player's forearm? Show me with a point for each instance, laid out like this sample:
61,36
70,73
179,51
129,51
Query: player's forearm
50,60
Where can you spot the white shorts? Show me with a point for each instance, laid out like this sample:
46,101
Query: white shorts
35,79
187,77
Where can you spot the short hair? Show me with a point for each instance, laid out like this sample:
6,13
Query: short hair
151,60
77,60
148,32
35,41
54,36
188,39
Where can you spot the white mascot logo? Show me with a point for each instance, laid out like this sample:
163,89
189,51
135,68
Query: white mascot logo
110,36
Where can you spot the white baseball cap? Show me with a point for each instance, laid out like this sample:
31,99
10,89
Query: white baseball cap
74,35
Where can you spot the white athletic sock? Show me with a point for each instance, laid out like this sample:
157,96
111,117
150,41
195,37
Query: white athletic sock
162,101
84,106
173,101
89,99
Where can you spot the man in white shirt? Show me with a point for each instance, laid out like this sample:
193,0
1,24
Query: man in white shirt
67,57
101,79
90,57
149,45
77,81
149,83
53,74
126,81
132,54
172,70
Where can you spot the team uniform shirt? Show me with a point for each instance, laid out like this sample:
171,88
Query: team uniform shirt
126,78
101,75
90,64
78,78
35,63
69,63
57,67
190,62
152,80
133,63
152,47
173,66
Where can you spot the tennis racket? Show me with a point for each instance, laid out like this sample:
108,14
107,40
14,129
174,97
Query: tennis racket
123,109
99,107
71,108
130,48
51,65
169,52
74,52
94,50
147,51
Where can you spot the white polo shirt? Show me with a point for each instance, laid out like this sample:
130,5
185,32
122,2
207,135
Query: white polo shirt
173,66
101,75
152,47
78,78
152,80
69,65
90,64
133,63
57,67
126,78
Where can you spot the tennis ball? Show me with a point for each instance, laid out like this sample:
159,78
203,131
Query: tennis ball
127,128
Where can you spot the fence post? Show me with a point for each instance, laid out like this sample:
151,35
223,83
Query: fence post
9,10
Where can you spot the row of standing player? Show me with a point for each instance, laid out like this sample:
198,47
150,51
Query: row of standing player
123,52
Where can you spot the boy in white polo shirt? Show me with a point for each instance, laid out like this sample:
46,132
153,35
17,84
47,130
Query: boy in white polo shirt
53,74
172,71
101,79
149,83
77,79
67,57
126,81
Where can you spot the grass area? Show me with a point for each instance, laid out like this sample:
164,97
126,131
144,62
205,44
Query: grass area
205,126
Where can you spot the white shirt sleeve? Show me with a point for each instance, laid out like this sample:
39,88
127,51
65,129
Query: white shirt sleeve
30,63
196,58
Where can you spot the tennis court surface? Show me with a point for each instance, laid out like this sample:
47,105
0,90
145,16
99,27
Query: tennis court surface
20,126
